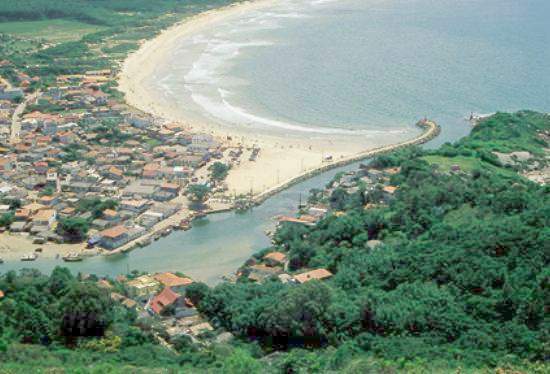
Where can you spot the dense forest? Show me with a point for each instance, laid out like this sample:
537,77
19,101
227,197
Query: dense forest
460,280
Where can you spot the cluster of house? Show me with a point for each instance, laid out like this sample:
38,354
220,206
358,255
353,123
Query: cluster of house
74,142
367,180
163,296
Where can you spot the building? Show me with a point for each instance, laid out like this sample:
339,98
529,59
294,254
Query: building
171,280
11,93
318,274
164,300
137,206
143,287
114,237
45,217
275,258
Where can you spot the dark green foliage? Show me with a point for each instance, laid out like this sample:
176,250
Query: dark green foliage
6,219
73,228
218,171
96,206
198,192
462,274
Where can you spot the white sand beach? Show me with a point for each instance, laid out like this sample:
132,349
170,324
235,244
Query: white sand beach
282,157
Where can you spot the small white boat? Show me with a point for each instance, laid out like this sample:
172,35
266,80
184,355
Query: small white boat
72,257
29,257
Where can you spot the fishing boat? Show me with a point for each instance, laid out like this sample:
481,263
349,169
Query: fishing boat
184,225
72,257
29,257
166,232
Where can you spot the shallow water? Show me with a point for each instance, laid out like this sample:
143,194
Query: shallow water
338,66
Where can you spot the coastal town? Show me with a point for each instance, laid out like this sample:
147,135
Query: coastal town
79,166
83,173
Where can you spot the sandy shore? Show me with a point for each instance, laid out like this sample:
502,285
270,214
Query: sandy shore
282,157
13,246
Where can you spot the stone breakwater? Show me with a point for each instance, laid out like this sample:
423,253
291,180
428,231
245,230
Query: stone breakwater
431,130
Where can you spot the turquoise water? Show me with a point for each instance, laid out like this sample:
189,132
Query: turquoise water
339,65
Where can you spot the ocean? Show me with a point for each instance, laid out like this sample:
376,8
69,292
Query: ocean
331,67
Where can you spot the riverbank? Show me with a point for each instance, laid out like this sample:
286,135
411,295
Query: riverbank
284,156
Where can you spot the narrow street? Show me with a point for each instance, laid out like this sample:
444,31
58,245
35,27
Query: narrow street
16,118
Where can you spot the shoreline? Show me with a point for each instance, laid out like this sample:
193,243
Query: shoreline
241,178
283,158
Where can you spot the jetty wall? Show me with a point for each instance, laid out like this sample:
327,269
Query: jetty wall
431,130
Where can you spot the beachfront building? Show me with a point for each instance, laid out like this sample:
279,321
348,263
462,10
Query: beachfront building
114,237
176,283
275,259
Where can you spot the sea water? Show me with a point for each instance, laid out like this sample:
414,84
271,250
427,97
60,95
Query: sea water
315,66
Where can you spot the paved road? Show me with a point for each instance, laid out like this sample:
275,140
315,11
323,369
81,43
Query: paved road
16,118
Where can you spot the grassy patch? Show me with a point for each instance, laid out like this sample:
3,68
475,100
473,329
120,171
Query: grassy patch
466,164
55,30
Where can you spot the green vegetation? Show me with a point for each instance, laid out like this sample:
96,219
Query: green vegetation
218,171
55,30
197,194
96,206
461,276
73,229
46,38
459,283
6,219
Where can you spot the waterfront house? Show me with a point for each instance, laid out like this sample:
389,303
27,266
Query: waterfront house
275,258
178,284
318,274
114,237
163,300
296,221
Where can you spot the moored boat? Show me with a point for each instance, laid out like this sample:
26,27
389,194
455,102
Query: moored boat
73,257
29,257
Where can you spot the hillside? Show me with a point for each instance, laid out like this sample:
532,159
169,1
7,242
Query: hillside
436,260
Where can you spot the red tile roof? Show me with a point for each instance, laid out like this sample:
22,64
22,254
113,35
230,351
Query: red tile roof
318,274
276,256
172,280
114,232
166,298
